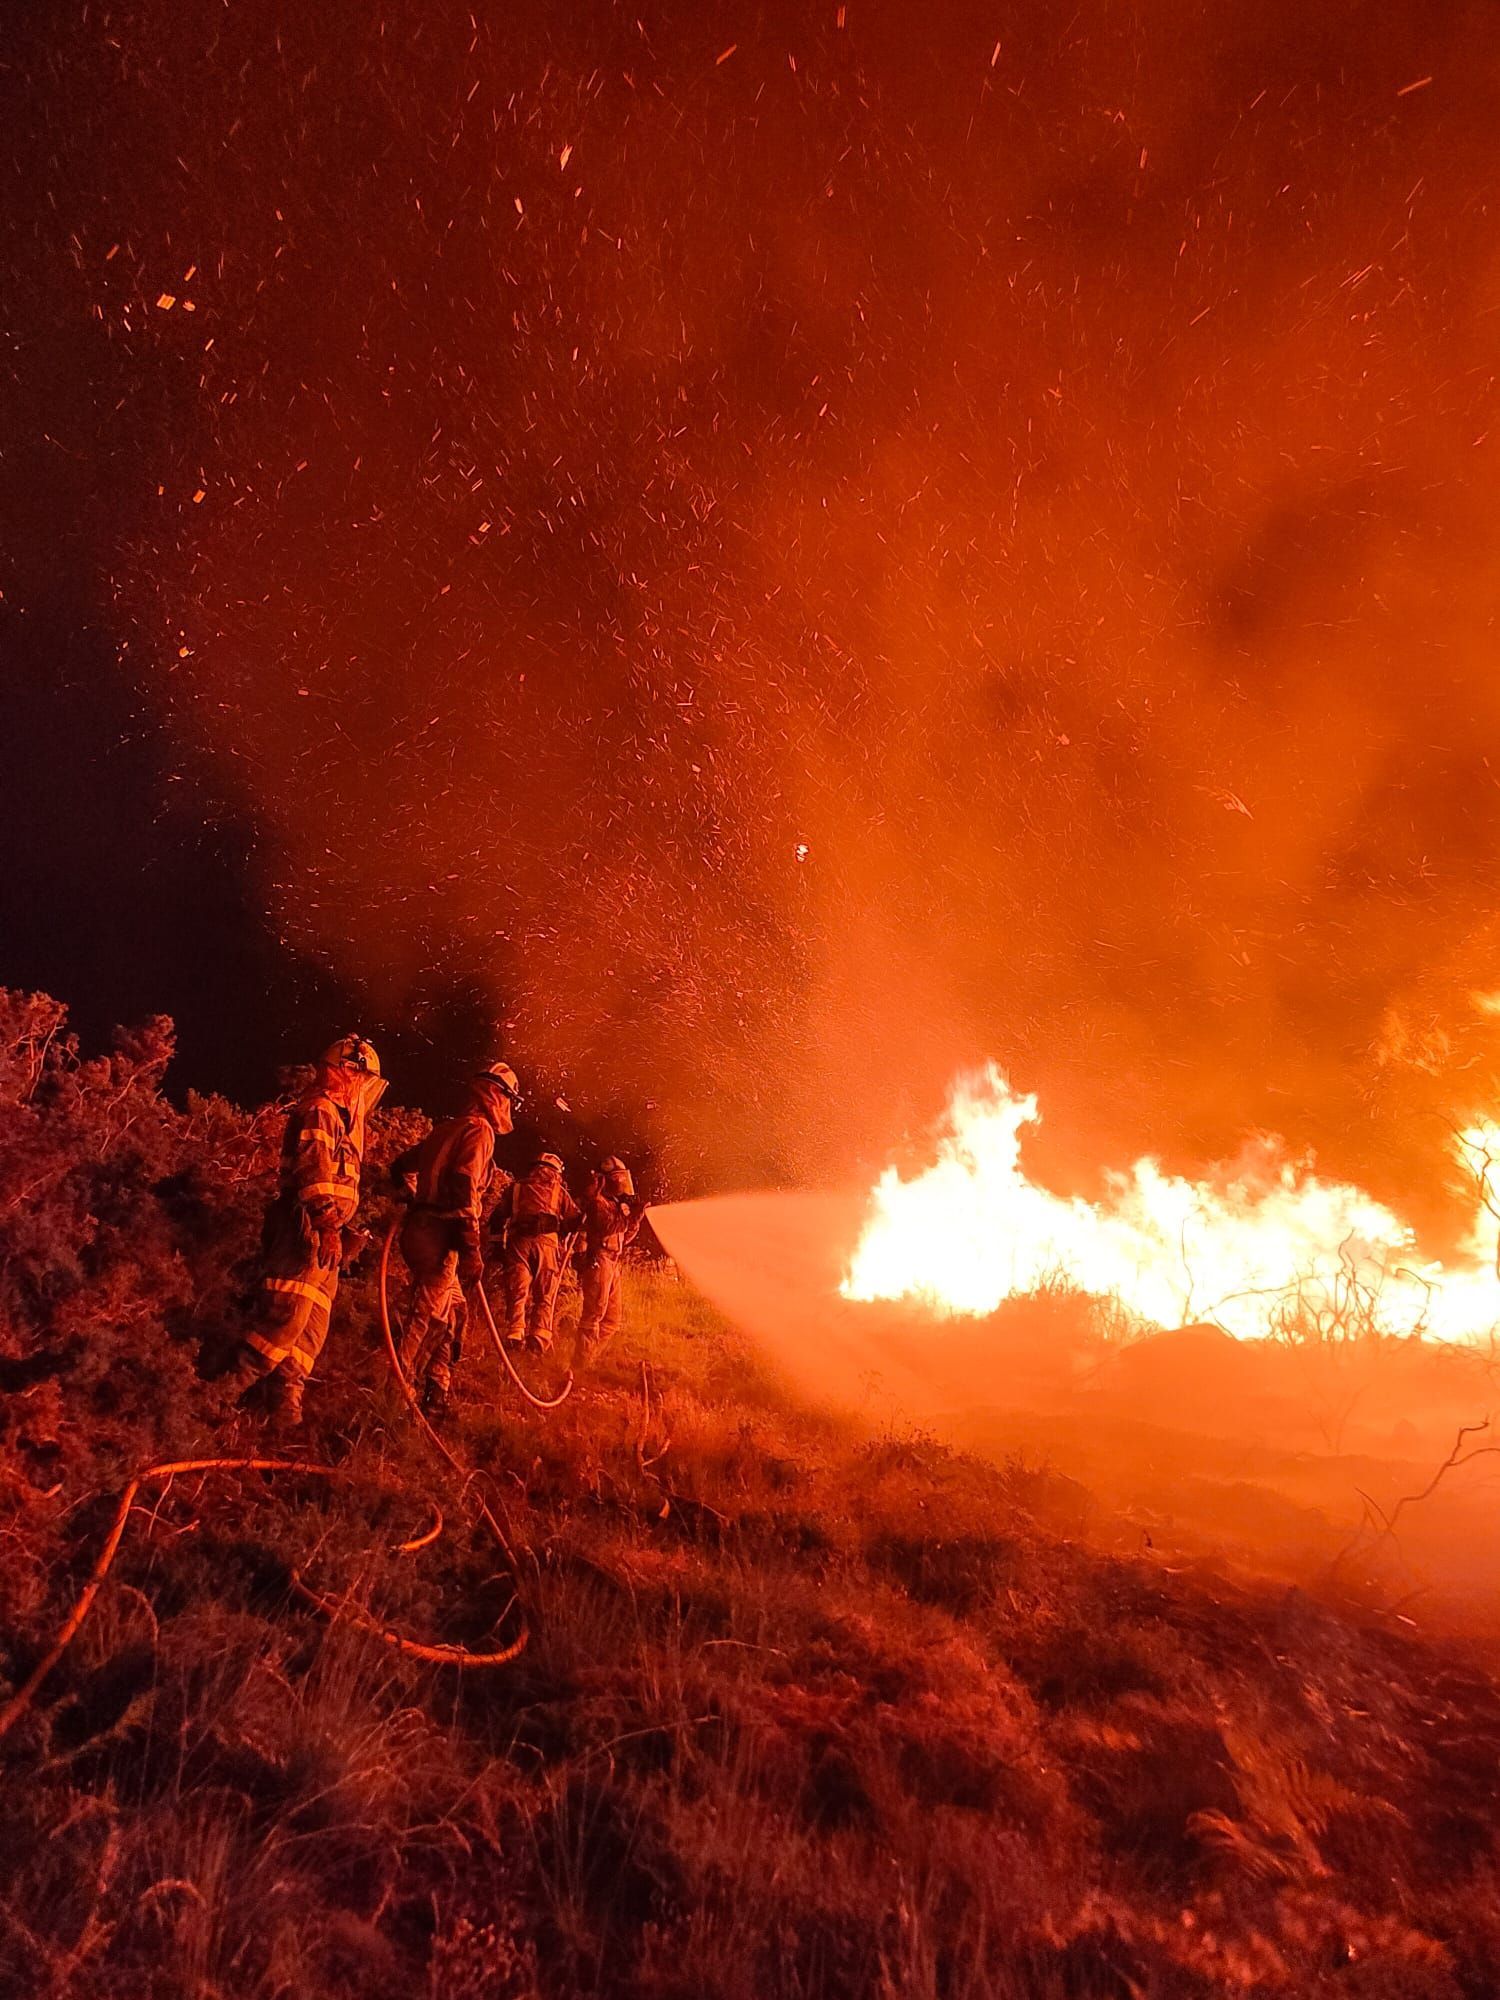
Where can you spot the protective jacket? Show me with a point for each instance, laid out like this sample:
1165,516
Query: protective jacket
321,1154
611,1223
536,1205
452,1170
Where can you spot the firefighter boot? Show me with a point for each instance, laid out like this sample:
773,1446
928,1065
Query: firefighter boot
285,1388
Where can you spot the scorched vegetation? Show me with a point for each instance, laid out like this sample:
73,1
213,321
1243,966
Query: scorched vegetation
803,1712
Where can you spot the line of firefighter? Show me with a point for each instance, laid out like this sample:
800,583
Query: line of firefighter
450,1183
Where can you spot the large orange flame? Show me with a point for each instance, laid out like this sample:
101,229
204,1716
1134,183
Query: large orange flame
1259,1248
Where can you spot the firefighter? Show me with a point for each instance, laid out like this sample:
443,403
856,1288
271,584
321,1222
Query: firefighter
611,1218
535,1213
448,1179
303,1236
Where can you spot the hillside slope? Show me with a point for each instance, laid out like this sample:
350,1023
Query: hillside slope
804,1712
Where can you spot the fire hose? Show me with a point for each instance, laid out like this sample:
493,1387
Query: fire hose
502,1348
332,1607
427,1429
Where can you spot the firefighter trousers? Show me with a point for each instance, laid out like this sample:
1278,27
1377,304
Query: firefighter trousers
603,1304
533,1274
296,1305
432,1341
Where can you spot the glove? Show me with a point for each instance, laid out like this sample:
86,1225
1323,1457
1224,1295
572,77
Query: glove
330,1245
470,1267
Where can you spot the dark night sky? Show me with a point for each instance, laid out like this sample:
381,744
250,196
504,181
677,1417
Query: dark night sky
759,555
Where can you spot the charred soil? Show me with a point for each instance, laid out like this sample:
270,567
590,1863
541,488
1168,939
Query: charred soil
804,1712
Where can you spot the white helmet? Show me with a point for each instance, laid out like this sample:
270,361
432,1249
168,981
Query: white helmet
352,1052
497,1087
502,1074
354,1070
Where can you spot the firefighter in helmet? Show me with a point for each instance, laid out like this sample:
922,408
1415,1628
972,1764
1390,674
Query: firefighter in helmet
535,1213
611,1218
302,1238
449,1179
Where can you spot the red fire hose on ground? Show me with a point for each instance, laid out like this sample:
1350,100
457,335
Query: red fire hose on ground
332,1607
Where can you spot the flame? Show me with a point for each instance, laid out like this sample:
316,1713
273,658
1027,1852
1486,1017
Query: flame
1262,1247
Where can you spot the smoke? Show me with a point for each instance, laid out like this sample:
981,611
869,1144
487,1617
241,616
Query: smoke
798,552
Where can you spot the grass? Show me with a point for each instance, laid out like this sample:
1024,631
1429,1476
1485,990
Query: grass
807,1713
